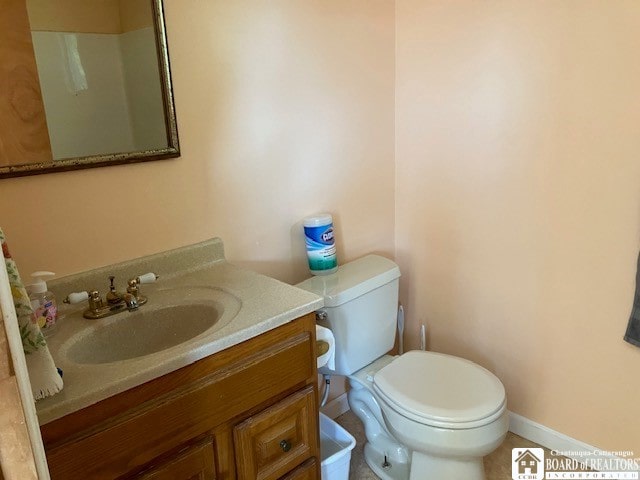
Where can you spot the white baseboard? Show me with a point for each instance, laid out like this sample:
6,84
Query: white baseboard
563,444
336,407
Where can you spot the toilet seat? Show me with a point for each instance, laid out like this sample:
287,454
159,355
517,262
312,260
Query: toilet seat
440,390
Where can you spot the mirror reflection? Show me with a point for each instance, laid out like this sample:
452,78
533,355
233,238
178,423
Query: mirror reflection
105,84
99,76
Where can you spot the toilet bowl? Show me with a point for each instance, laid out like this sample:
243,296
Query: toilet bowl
426,415
440,415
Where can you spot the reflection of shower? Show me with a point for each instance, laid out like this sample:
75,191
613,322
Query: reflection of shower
75,77
101,91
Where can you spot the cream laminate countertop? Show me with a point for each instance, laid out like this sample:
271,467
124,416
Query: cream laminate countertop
264,304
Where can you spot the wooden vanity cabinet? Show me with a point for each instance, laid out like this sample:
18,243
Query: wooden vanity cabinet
247,412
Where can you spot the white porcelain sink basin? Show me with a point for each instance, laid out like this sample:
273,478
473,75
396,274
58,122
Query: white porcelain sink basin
171,318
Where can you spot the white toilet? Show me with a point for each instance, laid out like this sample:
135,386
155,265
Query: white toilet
426,415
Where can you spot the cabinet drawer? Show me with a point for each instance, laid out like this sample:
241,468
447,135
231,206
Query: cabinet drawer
278,439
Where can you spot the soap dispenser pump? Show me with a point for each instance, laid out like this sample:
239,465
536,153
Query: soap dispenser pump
43,302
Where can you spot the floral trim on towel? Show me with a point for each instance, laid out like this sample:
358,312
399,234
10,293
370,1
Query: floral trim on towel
32,338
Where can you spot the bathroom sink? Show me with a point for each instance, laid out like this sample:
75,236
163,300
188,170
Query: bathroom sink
172,317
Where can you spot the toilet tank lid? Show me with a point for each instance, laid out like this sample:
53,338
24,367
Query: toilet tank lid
352,279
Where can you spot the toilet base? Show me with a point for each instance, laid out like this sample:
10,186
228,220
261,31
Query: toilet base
424,466
395,470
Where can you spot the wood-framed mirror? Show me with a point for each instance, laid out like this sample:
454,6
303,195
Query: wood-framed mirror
85,83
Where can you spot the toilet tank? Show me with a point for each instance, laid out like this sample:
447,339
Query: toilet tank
361,306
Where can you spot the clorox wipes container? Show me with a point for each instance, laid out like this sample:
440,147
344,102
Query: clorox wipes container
321,244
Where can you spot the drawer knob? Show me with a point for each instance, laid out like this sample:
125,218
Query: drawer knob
285,445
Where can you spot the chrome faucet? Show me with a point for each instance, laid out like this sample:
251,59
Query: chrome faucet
114,301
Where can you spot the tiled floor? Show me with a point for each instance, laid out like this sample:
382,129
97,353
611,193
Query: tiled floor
497,465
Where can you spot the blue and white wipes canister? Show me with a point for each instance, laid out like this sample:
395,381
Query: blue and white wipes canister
321,244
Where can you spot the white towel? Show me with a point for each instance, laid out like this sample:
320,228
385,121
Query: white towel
329,358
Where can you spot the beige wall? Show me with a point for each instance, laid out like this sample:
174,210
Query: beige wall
518,127
517,225
94,16
284,109
135,14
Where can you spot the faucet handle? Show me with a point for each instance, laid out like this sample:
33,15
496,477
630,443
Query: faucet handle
76,297
133,288
95,301
147,278
134,282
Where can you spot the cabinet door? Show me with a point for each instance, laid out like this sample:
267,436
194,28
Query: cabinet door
195,462
278,439
307,471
